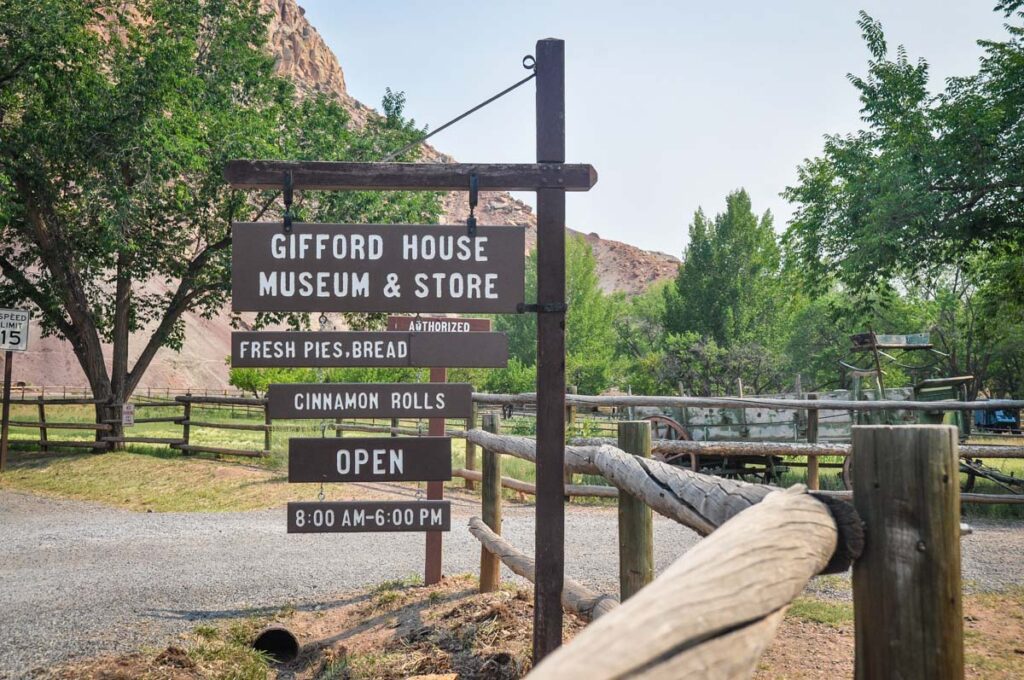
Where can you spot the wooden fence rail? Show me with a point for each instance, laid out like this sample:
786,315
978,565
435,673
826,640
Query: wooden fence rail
748,572
575,597
725,448
756,402
701,502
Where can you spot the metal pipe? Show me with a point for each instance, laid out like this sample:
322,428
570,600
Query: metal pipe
278,643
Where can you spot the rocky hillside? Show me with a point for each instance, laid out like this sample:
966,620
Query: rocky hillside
303,56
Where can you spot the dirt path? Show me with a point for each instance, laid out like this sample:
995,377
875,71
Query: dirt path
80,578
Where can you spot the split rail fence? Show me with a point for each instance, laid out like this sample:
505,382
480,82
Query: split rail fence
714,611
491,404
762,544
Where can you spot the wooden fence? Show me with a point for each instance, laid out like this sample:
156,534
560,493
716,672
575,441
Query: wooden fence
713,612
490,404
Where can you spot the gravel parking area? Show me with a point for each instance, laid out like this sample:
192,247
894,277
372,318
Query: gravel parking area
80,579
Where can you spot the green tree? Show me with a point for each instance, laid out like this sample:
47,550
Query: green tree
116,121
727,286
929,182
590,335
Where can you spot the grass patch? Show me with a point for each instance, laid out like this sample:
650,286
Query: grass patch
834,614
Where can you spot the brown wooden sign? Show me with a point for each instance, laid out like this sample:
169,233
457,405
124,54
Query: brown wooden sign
253,349
376,268
369,400
370,459
356,516
438,324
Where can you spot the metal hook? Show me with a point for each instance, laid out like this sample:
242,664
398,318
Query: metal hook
529,63
288,195
474,185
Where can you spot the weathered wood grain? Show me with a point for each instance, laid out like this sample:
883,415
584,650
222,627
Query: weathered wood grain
908,608
748,572
342,176
701,502
575,490
575,597
636,525
490,504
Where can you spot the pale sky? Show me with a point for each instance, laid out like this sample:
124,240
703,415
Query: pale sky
674,103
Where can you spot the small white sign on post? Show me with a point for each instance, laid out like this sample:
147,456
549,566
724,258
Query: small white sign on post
14,330
128,415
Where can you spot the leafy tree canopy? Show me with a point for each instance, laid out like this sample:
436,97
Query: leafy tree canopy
932,179
726,285
116,120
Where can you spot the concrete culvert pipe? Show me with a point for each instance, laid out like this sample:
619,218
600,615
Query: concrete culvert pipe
278,643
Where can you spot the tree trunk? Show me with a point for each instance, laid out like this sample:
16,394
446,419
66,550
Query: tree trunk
119,365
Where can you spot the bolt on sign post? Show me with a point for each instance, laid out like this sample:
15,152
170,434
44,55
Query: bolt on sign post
295,267
13,338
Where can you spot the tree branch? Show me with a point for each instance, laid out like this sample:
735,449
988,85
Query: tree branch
32,292
183,297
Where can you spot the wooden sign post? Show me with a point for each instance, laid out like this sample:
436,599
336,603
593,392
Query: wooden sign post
550,524
13,338
449,335
431,269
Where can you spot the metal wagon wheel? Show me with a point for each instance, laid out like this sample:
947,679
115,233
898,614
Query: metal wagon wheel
664,427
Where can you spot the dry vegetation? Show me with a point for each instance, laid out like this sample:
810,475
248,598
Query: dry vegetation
401,629
397,630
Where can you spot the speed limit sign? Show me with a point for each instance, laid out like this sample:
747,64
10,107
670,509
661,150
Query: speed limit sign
14,330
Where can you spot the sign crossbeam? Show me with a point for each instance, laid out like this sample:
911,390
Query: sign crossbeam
342,176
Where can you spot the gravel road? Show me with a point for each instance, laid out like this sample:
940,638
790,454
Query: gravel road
79,579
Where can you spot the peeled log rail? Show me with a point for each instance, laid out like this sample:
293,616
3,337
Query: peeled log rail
575,597
756,402
751,569
727,448
60,426
59,401
593,490
228,426
701,502
972,498
235,401
218,450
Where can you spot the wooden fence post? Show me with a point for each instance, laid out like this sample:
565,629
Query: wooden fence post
186,425
570,424
471,449
907,605
267,434
490,490
812,438
636,524
42,425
